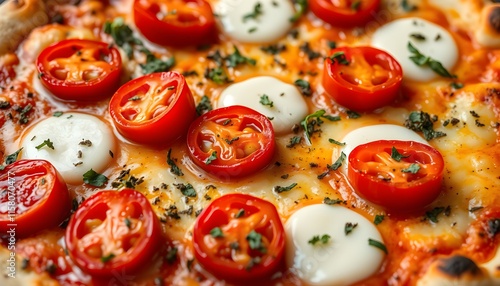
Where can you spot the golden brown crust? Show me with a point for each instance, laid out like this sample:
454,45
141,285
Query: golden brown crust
17,19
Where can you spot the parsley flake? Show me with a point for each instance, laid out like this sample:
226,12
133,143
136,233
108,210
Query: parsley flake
339,57
349,227
212,157
422,60
174,169
95,179
47,143
413,168
377,244
255,241
216,232
396,155
324,239
280,189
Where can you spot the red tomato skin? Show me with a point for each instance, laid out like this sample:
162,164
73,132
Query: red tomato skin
344,17
402,197
236,168
165,128
89,90
212,216
46,210
358,98
177,34
135,258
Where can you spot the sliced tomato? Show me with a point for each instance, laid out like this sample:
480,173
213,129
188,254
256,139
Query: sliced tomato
362,78
239,237
402,183
177,23
80,70
34,197
344,13
153,109
231,142
113,232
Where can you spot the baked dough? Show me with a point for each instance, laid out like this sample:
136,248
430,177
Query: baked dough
17,19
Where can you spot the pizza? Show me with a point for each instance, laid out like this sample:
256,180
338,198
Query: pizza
250,142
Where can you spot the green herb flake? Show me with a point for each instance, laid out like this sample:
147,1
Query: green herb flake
475,209
128,223
378,219
107,258
339,57
420,121
349,227
422,60
332,202
333,141
204,105
255,241
396,155
377,244
264,100
186,189
304,87
294,141
174,169
407,7
47,143
300,9
356,5
58,114
413,169
433,214
280,189
323,239
305,123
213,156
12,157
456,85
338,163
240,213
254,15
95,179
216,232
236,58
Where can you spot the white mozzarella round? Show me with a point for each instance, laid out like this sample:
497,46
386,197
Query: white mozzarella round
372,133
288,105
80,142
428,38
345,259
255,21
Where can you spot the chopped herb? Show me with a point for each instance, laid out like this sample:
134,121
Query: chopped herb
171,255
331,202
122,35
107,258
413,168
353,114
494,227
407,7
236,58
324,239
280,189
216,232
421,60
51,268
257,11
4,104
421,121
255,241
186,189
433,214
240,213
204,105
125,179
264,100
356,5
349,227
304,87
274,49
339,57
377,244
294,141
254,261
457,85
93,178
300,9
212,157
87,143
333,141
234,245
338,163
311,54
230,141
475,209
252,30
396,155
217,75
418,36
309,128
12,157
127,222
47,143
332,44
378,219
23,115
154,64
174,169
43,181
58,114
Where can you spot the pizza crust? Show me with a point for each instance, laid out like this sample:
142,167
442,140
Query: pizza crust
17,19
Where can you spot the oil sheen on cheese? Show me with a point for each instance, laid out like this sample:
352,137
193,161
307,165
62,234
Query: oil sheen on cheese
80,142
255,21
284,106
428,38
344,259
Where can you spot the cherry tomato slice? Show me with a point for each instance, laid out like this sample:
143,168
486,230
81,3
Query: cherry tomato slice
80,70
362,78
113,232
153,109
231,142
239,237
176,23
401,183
34,197
344,13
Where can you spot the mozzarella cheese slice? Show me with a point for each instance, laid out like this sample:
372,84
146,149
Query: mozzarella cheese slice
255,21
372,133
73,142
428,38
344,259
279,101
